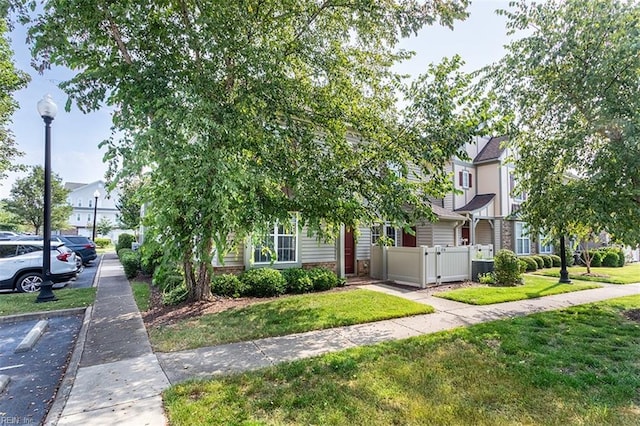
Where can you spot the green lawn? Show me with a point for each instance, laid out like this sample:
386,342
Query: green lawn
569,367
626,275
533,287
24,303
287,315
141,294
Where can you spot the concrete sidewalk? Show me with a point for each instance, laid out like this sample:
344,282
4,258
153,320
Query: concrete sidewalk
119,379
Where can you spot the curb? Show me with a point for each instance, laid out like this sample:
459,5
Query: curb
97,275
64,390
41,315
32,337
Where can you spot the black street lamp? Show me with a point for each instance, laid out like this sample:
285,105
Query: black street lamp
95,212
564,274
47,109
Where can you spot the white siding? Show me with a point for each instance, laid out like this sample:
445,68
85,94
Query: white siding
484,233
424,235
443,233
363,244
311,250
497,231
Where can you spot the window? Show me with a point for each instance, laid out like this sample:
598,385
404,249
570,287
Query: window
90,202
89,217
389,232
7,251
465,179
79,202
78,218
523,244
545,247
282,242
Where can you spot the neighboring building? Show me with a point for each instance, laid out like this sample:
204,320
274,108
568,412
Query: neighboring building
81,198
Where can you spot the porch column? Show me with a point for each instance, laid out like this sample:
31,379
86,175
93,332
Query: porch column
340,253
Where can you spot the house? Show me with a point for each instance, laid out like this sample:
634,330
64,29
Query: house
83,201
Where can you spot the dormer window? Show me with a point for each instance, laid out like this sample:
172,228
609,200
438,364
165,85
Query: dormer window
465,179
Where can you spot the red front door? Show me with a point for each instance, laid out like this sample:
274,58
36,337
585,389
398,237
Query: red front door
409,240
465,236
349,252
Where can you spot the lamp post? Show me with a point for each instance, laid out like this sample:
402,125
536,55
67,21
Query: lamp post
47,110
95,212
564,274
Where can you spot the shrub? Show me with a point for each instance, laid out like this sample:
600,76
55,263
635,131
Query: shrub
556,260
298,280
596,258
323,279
264,282
548,262
507,268
175,295
123,252
228,285
102,242
167,278
150,257
621,257
488,278
610,259
124,241
532,265
130,262
539,261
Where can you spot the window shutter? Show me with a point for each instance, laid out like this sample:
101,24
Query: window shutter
470,180
460,177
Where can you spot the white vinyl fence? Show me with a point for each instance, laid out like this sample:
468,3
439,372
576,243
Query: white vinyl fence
419,266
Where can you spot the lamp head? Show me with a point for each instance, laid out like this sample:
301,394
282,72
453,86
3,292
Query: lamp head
47,108
96,194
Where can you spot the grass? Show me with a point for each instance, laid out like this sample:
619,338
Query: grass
575,366
141,294
106,249
533,287
24,303
628,274
295,314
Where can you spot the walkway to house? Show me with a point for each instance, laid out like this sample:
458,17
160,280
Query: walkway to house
119,379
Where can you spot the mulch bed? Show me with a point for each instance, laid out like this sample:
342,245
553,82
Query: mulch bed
633,314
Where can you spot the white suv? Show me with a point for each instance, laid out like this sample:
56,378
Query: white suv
21,265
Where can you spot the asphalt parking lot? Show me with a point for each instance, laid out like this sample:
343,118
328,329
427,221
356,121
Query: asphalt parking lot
86,277
36,374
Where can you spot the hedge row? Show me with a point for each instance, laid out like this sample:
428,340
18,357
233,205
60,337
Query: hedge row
540,261
610,257
261,282
130,261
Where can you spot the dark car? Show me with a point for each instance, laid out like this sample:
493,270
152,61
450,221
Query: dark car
83,247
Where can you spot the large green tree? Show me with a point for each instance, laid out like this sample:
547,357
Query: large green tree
11,80
26,201
241,112
571,82
129,203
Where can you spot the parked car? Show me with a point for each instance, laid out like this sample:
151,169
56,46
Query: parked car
83,247
7,235
21,265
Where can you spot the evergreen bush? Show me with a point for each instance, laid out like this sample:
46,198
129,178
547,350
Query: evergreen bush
264,282
175,295
539,261
298,280
556,260
228,285
102,242
323,279
130,262
507,268
532,265
548,262
124,241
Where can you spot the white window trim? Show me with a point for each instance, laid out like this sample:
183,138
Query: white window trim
541,245
465,179
275,234
523,236
375,234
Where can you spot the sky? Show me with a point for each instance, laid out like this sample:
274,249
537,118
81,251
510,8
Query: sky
76,157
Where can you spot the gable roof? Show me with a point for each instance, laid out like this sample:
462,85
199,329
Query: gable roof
478,202
72,186
492,150
443,213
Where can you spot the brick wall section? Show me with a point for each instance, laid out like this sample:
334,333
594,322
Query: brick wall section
329,265
236,270
363,268
506,236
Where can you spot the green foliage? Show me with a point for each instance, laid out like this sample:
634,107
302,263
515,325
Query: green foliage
244,107
11,80
621,257
323,279
129,203
488,278
124,241
570,84
26,200
507,268
130,262
166,277
548,262
104,226
610,259
175,295
102,242
228,285
264,282
298,280
556,260
531,264
539,261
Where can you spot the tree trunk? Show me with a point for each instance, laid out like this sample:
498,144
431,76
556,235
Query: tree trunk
199,284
